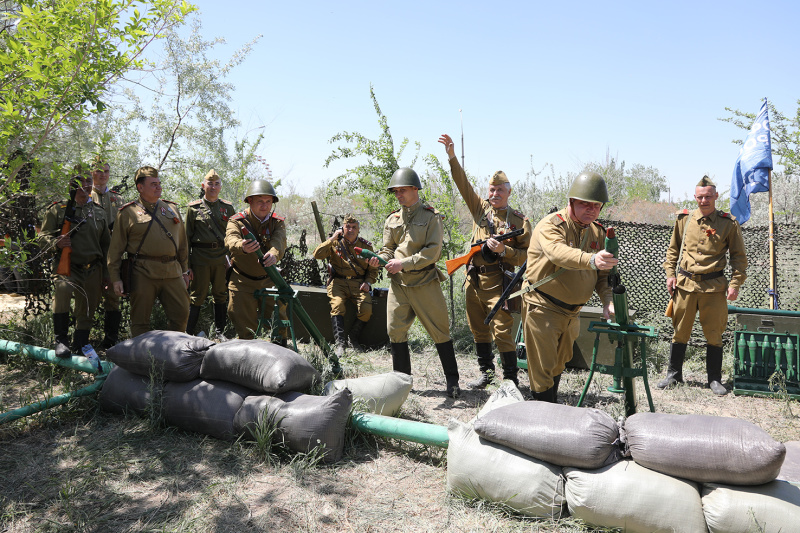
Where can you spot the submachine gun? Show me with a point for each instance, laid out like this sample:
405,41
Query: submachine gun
457,262
625,333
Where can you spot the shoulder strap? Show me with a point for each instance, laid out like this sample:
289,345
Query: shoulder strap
214,224
154,217
552,276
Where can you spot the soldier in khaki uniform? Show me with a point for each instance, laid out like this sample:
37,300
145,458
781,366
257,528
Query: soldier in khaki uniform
248,274
566,262
88,240
111,202
352,279
697,284
486,273
206,223
151,232
412,243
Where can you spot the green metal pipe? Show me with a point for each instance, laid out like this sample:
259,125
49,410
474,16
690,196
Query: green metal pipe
752,311
74,362
397,428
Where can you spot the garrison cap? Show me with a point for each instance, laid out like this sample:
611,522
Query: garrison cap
705,181
144,173
350,219
212,174
499,178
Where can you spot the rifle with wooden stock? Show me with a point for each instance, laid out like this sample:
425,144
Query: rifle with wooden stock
63,268
454,264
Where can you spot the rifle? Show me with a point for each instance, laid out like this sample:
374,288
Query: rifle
506,293
63,268
366,254
454,264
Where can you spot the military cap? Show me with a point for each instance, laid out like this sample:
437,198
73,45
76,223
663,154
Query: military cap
705,181
145,172
350,219
498,178
212,174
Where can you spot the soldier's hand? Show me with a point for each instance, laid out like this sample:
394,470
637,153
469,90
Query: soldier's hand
186,279
671,284
373,262
269,260
394,266
337,234
608,311
495,245
249,246
732,293
365,287
604,260
190,273
63,241
119,288
448,145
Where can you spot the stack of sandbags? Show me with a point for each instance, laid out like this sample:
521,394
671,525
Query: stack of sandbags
479,468
125,391
383,394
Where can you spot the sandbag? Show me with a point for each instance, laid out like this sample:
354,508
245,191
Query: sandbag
478,468
555,433
168,355
770,508
207,407
125,391
704,448
303,421
628,496
790,469
259,365
506,394
383,394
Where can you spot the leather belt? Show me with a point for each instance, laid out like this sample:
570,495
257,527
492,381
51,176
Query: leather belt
700,277
160,258
563,305
485,269
248,276
206,245
423,269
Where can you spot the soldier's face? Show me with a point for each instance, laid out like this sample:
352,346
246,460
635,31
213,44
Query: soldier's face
83,194
150,189
406,196
350,231
261,205
584,212
498,195
706,198
100,176
212,188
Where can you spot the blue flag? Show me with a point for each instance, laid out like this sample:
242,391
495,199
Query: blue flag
751,172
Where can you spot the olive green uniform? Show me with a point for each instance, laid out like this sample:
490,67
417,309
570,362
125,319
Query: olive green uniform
349,271
414,235
248,273
206,223
485,278
111,202
90,241
552,321
706,241
158,267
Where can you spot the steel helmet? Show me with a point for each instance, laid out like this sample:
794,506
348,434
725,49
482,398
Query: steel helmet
589,187
404,177
259,187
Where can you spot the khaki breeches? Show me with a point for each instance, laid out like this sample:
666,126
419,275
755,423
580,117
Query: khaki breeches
479,304
341,290
203,276
426,303
85,287
171,292
549,336
713,310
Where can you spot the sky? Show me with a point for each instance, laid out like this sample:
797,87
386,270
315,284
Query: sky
535,83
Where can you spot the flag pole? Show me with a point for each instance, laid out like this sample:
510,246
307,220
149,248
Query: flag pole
773,301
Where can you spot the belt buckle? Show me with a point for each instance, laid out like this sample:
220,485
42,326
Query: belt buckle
166,258
697,277
214,245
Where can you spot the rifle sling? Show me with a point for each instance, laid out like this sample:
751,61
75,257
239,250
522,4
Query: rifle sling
551,277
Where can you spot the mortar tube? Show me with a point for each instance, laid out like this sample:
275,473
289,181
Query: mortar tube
398,428
752,311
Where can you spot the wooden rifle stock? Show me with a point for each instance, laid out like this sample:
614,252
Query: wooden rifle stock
63,268
457,262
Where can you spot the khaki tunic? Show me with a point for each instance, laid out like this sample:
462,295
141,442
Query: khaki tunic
111,202
483,289
708,241
248,273
348,275
206,223
159,266
550,330
414,235
90,243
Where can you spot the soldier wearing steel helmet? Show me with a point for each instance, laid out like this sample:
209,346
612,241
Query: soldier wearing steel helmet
566,263
247,272
151,231
206,223
486,273
412,243
696,259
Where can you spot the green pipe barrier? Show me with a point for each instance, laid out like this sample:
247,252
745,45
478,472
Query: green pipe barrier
752,311
398,428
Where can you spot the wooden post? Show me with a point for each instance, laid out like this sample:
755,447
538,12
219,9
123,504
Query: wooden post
320,227
773,290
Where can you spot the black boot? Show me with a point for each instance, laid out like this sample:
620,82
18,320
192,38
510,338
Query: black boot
355,333
714,370
485,364
61,330
220,319
337,322
510,368
401,358
447,356
111,329
80,338
194,315
549,395
677,353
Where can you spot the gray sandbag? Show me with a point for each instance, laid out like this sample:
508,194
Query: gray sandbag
506,394
303,421
703,448
383,394
169,355
207,407
478,468
125,391
555,433
770,508
637,500
259,365
790,470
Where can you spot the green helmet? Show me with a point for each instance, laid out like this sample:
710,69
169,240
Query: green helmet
404,177
589,187
259,187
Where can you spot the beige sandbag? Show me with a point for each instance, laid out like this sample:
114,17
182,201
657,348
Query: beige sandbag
204,406
125,391
555,433
383,394
169,355
790,470
704,448
478,468
770,508
637,500
506,394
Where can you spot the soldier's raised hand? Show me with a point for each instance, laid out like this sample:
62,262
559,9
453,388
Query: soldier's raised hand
448,145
